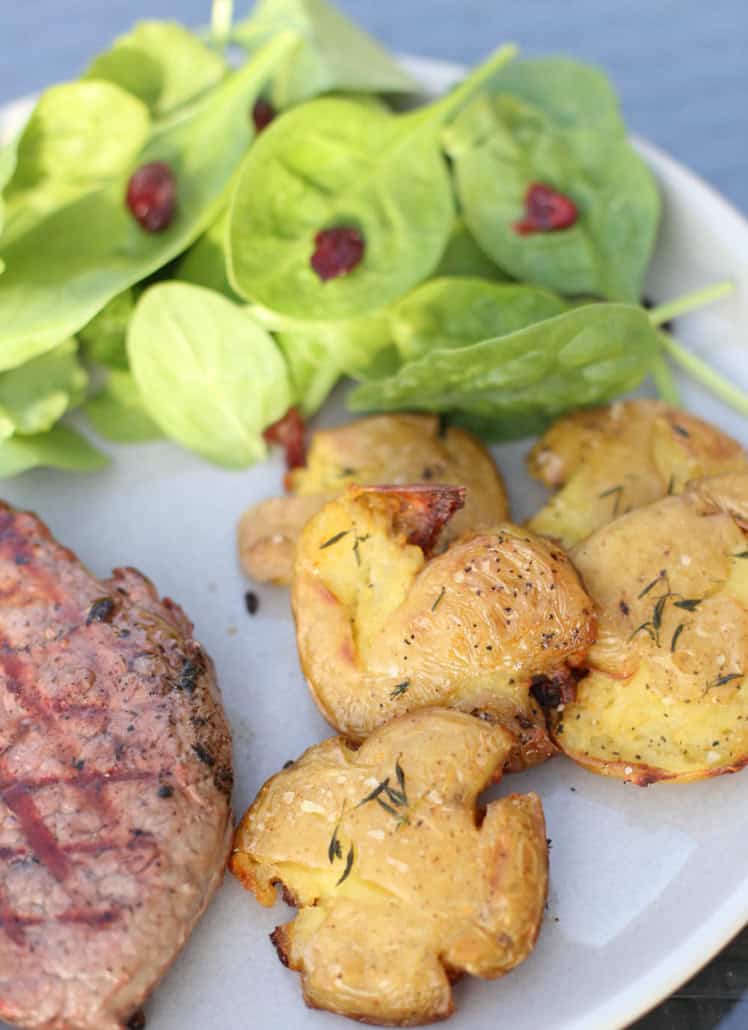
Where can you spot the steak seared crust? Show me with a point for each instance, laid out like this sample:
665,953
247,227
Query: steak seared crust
115,783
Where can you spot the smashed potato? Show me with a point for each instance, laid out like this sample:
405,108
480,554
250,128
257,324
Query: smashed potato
383,629
382,449
667,694
399,889
608,461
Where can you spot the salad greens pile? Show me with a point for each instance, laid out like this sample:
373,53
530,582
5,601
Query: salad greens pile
498,239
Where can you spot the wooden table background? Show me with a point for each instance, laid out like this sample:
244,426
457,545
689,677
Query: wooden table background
681,67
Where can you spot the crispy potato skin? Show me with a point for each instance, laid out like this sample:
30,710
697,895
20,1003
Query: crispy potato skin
608,461
381,630
427,894
666,696
394,449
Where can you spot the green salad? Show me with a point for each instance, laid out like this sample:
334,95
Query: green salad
208,230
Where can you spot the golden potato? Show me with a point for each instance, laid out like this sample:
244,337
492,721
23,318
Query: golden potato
607,461
382,449
667,694
399,889
383,629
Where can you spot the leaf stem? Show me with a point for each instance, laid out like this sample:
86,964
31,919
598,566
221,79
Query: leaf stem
690,302
706,375
221,16
664,380
448,104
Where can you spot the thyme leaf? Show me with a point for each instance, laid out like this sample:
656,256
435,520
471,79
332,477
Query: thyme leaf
359,540
396,796
401,820
722,680
678,630
334,850
645,627
671,486
650,586
614,491
399,690
348,866
374,794
334,539
400,775
741,554
659,608
436,603
689,604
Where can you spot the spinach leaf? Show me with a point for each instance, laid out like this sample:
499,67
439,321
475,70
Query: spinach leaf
104,338
7,167
83,247
317,354
161,63
67,151
501,145
117,413
453,312
333,53
586,356
61,448
204,264
463,256
330,163
209,375
572,94
35,395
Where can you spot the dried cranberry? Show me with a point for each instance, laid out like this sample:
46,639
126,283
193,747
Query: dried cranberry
288,432
152,196
547,210
336,252
262,114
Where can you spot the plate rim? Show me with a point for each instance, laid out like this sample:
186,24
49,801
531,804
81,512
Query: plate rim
707,939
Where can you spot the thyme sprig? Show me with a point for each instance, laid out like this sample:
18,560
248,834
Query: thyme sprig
396,797
653,625
437,602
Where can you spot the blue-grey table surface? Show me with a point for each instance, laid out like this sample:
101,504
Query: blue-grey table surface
681,68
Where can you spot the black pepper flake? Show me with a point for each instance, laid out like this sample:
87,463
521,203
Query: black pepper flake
165,791
100,611
188,676
203,754
78,764
681,430
251,602
136,1021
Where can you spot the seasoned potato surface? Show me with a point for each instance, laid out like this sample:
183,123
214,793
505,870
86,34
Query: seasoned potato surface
383,629
399,890
608,461
667,695
382,449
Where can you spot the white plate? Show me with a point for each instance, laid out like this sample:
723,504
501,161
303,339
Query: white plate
646,885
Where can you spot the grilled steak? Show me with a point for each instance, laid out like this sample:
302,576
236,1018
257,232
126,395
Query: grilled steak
115,781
